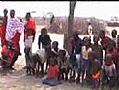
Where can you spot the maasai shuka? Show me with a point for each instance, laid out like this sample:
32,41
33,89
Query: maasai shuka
13,26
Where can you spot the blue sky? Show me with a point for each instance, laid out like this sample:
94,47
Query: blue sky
98,9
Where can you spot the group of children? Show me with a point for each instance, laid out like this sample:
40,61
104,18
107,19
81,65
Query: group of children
89,63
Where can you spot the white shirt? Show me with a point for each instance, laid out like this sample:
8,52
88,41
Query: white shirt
85,52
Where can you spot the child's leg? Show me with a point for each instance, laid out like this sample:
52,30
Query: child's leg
78,75
42,68
66,74
47,64
14,59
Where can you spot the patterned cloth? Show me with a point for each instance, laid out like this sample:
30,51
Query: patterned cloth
13,26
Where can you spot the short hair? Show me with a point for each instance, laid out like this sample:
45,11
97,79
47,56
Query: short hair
28,13
43,29
63,52
12,10
102,31
55,42
5,10
114,31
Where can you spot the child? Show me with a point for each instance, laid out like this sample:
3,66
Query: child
7,54
63,62
45,40
97,48
94,70
85,62
28,48
53,69
75,56
114,36
104,39
53,72
110,70
55,48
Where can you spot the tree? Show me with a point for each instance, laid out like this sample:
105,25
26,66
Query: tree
69,31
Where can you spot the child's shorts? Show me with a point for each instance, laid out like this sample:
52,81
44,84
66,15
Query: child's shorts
78,61
110,69
85,65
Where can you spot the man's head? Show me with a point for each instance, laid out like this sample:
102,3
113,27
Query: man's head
114,33
12,13
5,11
28,16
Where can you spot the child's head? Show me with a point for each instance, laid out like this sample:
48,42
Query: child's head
86,41
91,56
61,53
43,31
95,39
55,44
114,33
102,34
75,34
53,58
111,45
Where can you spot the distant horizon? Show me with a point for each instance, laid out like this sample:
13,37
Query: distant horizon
98,9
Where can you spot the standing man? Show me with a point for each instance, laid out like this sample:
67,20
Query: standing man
3,27
89,30
29,34
13,31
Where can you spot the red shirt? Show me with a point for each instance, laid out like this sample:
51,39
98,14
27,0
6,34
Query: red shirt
8,53
30,25
53,72
105,41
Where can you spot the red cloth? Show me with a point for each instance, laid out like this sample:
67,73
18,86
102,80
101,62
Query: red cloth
3,52
53,72
16,40
7,52
30,25
3,30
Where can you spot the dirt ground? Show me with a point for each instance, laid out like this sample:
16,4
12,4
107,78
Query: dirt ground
18,80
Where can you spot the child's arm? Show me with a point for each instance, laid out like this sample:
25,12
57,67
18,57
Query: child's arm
49,39
39,41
